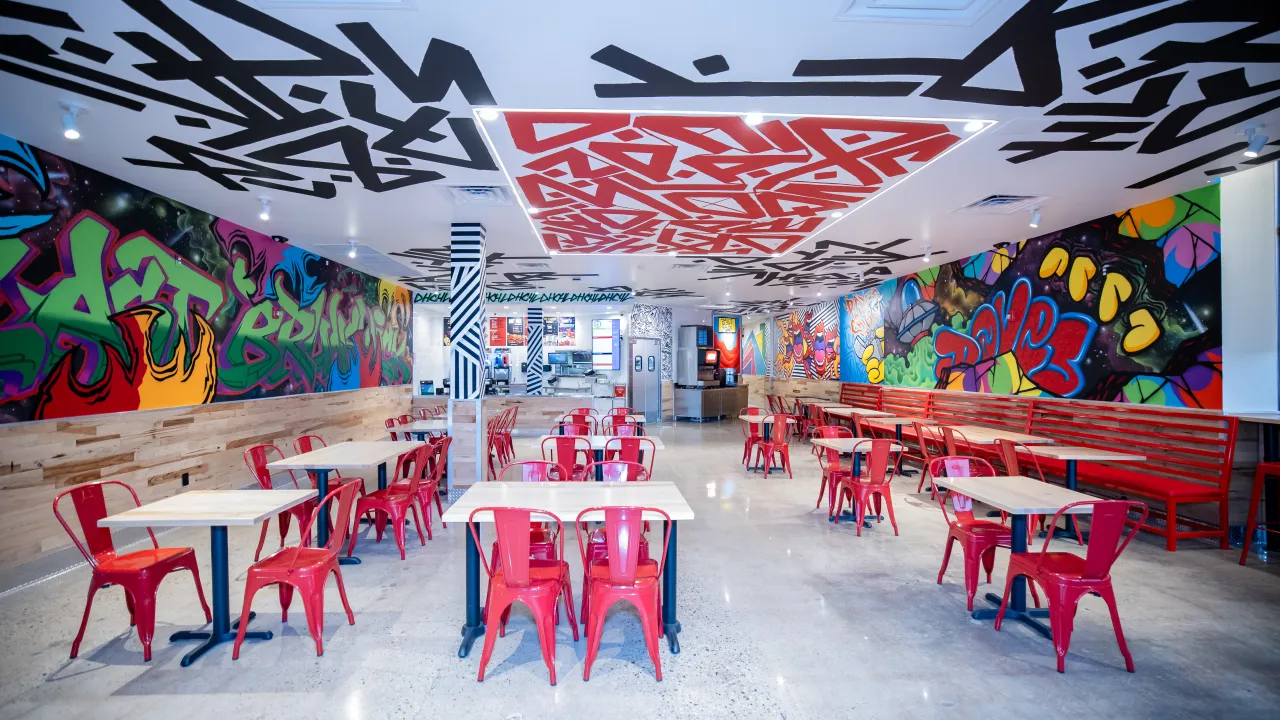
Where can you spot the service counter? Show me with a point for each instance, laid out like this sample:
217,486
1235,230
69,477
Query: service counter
709,403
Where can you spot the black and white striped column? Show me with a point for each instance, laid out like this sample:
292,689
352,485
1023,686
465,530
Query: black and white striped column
533,331
466,317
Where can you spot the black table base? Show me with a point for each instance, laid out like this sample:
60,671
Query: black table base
222,629
1017,609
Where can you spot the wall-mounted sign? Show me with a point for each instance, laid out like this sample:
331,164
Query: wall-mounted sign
559,332
497,332
515,331
533,297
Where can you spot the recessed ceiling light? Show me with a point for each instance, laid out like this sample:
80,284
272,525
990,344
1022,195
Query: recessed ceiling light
266,208
927,253
819,294
974,126
777,254
506,307
553,252
753,118
488,114
672,253
726,294
352,252
837,214
553,307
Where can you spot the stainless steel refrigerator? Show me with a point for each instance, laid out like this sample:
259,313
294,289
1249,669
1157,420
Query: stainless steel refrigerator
644,388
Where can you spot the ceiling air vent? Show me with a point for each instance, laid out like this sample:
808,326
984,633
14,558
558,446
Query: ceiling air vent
1002,204
683,266
534,265
937,12
480,195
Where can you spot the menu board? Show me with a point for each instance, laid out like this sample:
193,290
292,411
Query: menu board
605,344
497,332
559,331
515,331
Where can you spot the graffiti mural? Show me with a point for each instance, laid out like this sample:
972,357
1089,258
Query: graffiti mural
861,337
115,298
808,343
1122,308
704,184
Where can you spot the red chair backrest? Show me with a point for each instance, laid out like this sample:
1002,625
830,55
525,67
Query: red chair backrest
950,466
257,458
345,494
583,411
571,429
783,430
955,441
834,431
1008,451
512,528
415,465
615,425
404,419
929,437
534,471
424,414
565,450
628,449
622,411
879,469
390,424
623,529
90,503
752,429
1106,533
753,411
307,443
618,471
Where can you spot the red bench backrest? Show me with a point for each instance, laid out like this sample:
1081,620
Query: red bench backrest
905,402
1009,412
860,395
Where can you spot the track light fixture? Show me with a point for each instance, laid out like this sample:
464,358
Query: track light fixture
69,112
974,126
928,253
352,252
1035,218
753,118
1257,141
265,214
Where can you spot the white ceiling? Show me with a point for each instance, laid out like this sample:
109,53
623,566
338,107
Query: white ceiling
539,56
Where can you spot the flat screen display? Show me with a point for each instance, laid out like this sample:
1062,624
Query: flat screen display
558,358
711,357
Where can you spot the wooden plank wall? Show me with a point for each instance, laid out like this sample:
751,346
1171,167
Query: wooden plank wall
151,450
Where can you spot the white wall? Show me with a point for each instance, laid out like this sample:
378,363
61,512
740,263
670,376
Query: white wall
582,339
430,356
1250,291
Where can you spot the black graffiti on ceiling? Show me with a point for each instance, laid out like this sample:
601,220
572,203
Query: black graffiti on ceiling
1030,37
434,264
665,293
248,146
827,263
763,306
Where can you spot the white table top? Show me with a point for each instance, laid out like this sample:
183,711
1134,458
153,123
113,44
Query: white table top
597,441
1265,418
433,425
894,420
981,435
1017,495
846,445
825,404
346,456
763,418
848,412
567,499
205,508
1073,452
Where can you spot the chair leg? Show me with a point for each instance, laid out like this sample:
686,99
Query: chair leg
257,554
946,557
440,508
497,606
989,561
1171,527
546,628
971,571
1061,620
1109,597
888,506
128,603
195,577
144,607
313,602
595,628
1004,601
342,593
286,599
567,591
822,489
94,584
250,589
417,521
397,529
1251,520
649,624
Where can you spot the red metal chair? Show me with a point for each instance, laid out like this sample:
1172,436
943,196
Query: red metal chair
955,442
1008,452
622,411
429,486
305,569
582,411
829,461
623,574
619,426
390,424
424,414
1067,577
395,503
1251,525
307,443
536,471
778,445
873,484
571,451
589,420
752,432
138,573
978,538
257,458
618,471
539,584
571,429
630,449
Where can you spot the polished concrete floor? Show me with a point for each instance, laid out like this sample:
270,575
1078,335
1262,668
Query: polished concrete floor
784,614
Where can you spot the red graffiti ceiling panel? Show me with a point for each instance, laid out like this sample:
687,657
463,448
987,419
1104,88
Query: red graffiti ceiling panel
622,183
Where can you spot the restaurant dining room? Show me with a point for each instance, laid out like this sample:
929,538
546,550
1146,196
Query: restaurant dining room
403,359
